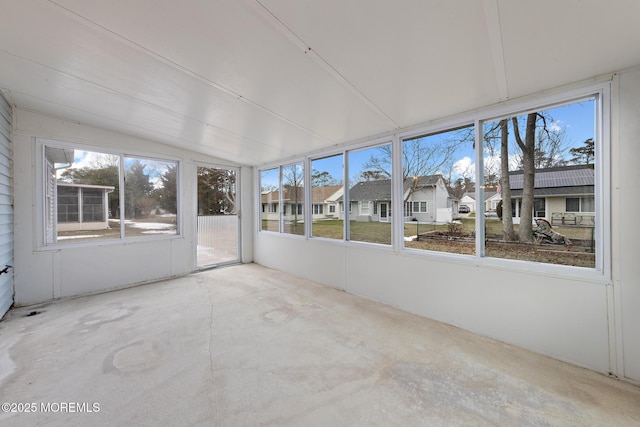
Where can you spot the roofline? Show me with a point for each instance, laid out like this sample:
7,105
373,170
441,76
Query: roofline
556,169
70,184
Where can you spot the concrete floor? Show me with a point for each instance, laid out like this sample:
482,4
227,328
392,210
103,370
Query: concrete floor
247,346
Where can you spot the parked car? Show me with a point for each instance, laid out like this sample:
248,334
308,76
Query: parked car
464,209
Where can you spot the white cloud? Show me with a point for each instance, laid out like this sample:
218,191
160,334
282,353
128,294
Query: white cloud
555,126
464,167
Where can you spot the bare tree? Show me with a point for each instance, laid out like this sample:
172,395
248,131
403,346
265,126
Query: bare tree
507,219
293,178
420,157
322,178
492,168
527,146
550,144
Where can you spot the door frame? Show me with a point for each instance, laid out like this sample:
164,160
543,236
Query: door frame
238,258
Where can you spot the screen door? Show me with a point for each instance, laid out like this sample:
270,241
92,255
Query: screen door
218,220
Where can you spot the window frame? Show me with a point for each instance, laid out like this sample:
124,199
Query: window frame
41,204
420,204
280,207
368,145
581,202
601,93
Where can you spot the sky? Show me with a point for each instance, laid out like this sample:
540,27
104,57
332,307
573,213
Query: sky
153,168
577,121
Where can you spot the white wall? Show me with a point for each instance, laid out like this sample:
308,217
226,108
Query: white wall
42,275
595,324
626,221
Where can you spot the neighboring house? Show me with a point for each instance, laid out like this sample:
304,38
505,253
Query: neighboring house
292,204
491,200
325,203
369,201
469,199
72,207
562,195
428,202
82,207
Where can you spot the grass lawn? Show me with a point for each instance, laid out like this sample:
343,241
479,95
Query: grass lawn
380,232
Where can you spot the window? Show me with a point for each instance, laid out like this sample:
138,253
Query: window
326,186
293,197
93,206
283,186
580,204
538,160
84,198
370,169
419,207
150,196
439,168
573,204
68,204
364,207
539,210
269,198
500,180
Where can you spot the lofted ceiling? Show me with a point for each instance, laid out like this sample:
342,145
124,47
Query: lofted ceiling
255,81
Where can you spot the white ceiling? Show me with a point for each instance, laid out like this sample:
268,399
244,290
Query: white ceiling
254,81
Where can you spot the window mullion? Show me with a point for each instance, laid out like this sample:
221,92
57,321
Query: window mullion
121,180
479,156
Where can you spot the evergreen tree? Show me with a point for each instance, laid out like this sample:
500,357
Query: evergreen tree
138,191
584,155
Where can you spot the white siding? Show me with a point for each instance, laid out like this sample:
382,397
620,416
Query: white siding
6,209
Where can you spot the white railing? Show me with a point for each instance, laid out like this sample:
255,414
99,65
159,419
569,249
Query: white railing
217,239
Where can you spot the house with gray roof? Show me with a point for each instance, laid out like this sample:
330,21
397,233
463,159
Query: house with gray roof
426,199
562,195
324,204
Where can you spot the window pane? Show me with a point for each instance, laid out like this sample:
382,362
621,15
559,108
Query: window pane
67,204
440,188
85,185
543,160
270,196
370,183
587,204
293,198
327,190
150,197
93,206
573,204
